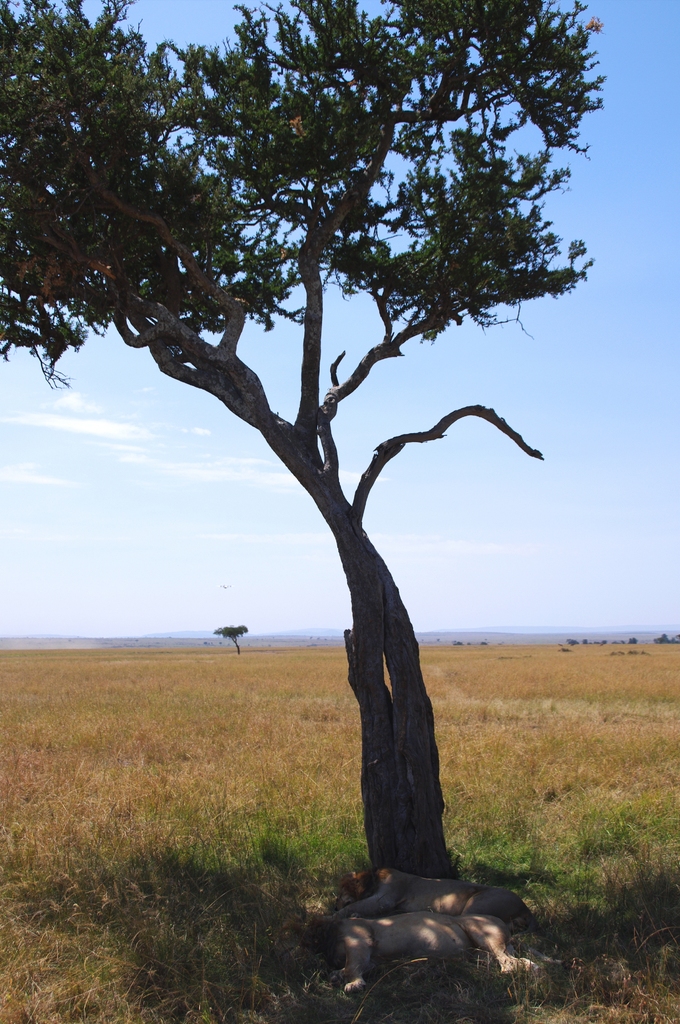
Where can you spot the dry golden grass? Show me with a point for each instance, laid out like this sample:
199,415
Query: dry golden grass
163,813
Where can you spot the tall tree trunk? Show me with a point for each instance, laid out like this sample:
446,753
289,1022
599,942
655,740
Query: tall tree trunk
402,796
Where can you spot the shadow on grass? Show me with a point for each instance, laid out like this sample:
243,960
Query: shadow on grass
636,903
218,947
489,874
209,943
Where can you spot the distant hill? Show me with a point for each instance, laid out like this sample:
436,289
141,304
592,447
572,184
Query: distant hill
182,634
202,634
549,632
312,631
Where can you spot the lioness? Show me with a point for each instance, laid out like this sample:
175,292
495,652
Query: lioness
370,893
353,943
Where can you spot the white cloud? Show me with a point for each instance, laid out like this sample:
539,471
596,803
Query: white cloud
258,472
25,473
73,401
33,534
424,544
419,544
197,430
348,477
95,428
282,539
112,446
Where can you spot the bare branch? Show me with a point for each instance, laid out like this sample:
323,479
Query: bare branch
181,353
388,449
54,379
330,452
232,332
334,369
389,348
233,388
143,337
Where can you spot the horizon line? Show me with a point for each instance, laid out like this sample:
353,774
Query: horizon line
335,631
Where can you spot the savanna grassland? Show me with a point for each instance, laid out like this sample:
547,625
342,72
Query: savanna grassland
166,817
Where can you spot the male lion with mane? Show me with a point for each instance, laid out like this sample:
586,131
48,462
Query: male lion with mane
372,893
353,944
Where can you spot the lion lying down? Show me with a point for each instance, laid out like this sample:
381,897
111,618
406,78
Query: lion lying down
373,893
354,943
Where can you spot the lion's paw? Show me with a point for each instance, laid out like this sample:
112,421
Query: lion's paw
355,986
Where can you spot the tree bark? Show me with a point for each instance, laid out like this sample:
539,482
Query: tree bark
402,796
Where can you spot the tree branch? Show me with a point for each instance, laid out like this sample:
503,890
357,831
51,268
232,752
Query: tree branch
381,299
65,244
442,115
388,348
388,449
231,307
327,227
306,420
334,369
318,236
330,451
173,345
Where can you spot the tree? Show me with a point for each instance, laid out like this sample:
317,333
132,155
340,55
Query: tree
177,192
231,633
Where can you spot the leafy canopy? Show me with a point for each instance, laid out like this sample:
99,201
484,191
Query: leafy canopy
186,181
233,633
230,632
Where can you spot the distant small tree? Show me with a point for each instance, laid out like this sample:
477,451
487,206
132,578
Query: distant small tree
572,643
665,639
232,633
632,640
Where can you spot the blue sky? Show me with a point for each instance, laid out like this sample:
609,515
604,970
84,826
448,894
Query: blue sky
127,502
